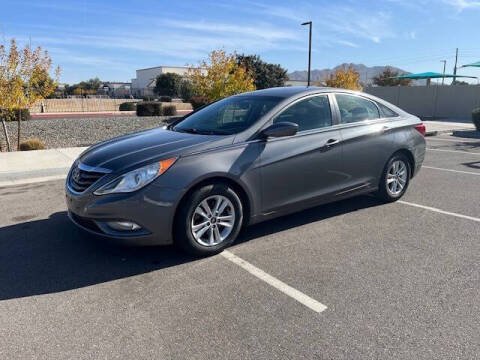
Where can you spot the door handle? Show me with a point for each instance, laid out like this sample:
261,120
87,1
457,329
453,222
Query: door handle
330,143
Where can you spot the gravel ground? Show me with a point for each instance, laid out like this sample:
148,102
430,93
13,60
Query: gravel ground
59,133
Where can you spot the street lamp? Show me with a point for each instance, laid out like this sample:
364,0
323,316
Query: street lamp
309,49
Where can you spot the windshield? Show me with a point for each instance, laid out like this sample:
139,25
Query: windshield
228,116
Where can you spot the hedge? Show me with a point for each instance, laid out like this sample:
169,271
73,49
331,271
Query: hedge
127,106
476,118
169,110
146,108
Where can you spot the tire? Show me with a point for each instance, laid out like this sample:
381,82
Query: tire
193,215
387,191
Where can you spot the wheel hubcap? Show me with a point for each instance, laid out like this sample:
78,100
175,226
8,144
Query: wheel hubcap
213,220
397,177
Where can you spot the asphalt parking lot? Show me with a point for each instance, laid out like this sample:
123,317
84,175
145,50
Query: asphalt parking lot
396,281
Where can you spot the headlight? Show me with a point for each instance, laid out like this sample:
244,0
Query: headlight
136,179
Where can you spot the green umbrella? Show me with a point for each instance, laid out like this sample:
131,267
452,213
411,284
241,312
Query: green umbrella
430,75
475,64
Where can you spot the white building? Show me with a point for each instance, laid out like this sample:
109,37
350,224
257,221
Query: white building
144,83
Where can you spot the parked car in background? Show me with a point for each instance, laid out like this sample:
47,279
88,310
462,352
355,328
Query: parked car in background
242,160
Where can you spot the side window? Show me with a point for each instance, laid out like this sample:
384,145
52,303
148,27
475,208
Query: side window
311,113
354,109
386,112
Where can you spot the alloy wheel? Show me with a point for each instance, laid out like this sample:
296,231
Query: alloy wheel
397,177
213,220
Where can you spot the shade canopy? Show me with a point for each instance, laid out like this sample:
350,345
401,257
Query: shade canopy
430,75
475,64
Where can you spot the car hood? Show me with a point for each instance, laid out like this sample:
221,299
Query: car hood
137,149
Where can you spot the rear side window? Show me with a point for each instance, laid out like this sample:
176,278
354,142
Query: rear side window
386,112
308,114
354,109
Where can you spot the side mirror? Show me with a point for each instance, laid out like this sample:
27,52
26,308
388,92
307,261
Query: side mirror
280,129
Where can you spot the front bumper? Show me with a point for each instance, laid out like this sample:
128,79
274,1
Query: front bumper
153,208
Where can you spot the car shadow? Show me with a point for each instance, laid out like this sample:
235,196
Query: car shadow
52,255
308,216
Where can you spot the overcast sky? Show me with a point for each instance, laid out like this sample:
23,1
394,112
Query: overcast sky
111,39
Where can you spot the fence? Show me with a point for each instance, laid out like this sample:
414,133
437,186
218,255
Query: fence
455,102
88,105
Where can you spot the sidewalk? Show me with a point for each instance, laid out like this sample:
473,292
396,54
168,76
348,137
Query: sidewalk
25,167
445,127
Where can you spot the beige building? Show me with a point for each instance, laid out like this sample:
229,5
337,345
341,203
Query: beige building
144,83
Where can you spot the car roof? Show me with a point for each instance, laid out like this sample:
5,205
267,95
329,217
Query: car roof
286,91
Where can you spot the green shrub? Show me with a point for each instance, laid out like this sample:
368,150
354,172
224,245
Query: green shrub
198,102
476,118
186,90
149,108
169,110
147,98
12,115
32,144
165,98
127,106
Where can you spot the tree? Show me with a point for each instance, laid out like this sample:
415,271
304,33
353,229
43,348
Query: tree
168,84
346,78
89,87
266,75
24,79
220,76
386,79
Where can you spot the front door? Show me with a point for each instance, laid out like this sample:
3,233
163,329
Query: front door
305,168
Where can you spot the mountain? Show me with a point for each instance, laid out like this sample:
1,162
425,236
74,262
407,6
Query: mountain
366,72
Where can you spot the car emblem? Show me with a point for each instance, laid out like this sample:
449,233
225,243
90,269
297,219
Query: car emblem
76,174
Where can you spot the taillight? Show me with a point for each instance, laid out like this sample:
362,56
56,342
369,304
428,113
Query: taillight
421,129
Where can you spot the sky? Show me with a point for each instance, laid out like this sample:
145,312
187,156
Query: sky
112,38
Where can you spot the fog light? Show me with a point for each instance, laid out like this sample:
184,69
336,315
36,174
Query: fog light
123,225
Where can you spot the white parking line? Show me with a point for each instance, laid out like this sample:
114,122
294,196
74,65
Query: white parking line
439,211
455,151
451,170
277,284
456,141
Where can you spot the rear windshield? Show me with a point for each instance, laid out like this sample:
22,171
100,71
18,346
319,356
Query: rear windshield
228,116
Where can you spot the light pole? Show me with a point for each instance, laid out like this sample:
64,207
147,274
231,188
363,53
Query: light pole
444,64
309,49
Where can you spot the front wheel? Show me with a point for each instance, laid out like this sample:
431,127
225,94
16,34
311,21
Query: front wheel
395,178
209,220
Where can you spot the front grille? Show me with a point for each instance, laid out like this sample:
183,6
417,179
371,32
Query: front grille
80,180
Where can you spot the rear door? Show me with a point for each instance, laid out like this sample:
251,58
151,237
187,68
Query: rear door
367,138
305,168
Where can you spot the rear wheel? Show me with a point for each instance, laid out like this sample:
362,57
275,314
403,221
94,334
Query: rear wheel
395,178
209,220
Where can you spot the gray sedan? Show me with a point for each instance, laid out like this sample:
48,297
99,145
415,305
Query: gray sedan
242,160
